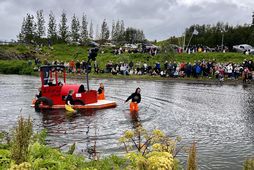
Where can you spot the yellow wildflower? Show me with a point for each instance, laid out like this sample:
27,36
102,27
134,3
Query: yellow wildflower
128,134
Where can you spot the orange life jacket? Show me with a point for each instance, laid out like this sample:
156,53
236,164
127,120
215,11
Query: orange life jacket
101,96
134,107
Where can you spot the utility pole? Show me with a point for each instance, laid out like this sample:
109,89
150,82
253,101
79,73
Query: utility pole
252,24
87,72
222,40
189,42
184,36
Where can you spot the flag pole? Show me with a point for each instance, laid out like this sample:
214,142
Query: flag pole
189,42
184,36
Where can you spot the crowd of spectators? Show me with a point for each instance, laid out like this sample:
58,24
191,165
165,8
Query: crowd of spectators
204,69
197,69
202,48
152,50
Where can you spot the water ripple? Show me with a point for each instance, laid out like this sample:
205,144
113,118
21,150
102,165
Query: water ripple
219,118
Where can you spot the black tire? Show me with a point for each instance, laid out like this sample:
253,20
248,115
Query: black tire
78,102
44,100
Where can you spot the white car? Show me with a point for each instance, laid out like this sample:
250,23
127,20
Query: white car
243,48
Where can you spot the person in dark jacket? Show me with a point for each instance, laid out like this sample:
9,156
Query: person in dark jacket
135,100
69,102
38,95
101,95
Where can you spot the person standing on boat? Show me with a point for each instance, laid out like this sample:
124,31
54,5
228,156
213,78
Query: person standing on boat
135,100
69,102
38,95
101,95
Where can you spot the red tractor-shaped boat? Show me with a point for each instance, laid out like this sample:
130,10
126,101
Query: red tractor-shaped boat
54,92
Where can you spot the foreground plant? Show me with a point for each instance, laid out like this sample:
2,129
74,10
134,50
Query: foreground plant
192,160
21,140
144,150
248,164
28,151
152,150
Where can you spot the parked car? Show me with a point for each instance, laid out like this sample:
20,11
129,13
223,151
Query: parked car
93,44
147,46
130,46
108,45
243,48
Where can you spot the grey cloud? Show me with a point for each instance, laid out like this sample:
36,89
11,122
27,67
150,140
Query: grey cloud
158,18
144,9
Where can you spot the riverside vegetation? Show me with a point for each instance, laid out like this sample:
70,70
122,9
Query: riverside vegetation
64,52
23,149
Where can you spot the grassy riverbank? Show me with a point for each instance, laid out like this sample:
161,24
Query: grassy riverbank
24,68
63,52
16,67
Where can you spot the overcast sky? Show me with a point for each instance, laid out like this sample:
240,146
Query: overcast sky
159,19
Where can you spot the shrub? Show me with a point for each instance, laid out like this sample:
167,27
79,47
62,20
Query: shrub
5,159
21,139
192,162
249,164
15,67
154,150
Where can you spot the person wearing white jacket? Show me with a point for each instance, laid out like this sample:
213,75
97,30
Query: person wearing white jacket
230,70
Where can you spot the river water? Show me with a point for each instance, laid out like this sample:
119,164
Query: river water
219,118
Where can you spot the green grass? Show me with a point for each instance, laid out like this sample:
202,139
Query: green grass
15,49
63,52
16,67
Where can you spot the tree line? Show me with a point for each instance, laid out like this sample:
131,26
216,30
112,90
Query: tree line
218,35
33,30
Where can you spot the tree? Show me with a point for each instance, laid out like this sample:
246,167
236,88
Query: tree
133,35
104,31
122,29
220,34
52,35
119,31
84,31
113,31
97,35
40,24
63,28
141,36
121,34
27,33
75,29
91,30
21,36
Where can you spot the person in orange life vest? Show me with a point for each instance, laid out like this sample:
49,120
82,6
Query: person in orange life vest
101,95
135,99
